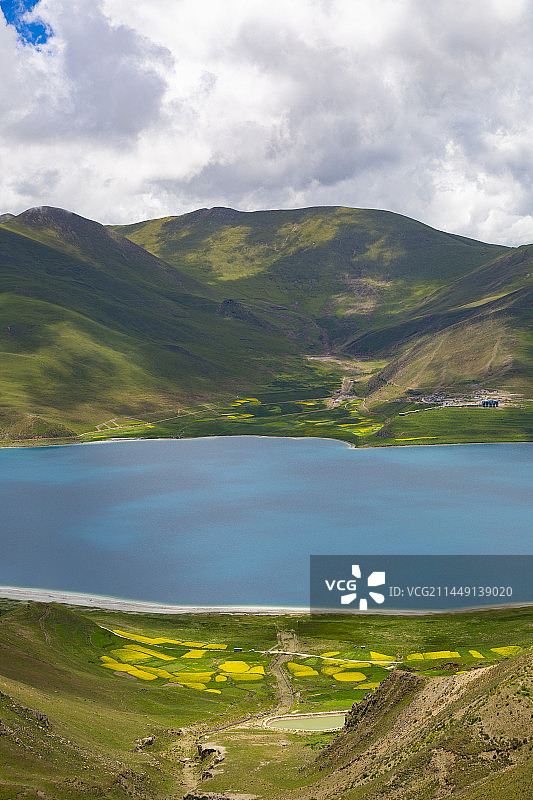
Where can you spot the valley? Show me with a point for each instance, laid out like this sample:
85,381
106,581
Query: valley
163,706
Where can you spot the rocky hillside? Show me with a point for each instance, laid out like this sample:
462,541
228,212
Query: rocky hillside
467,736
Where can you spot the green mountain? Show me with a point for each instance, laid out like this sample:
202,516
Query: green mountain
93,326
308,254
440,309
375,282
114,322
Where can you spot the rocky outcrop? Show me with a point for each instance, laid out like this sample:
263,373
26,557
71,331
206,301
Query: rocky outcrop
204,796
368,719
391,691
140,744
217,796
32,712
232,309
420,737
214,751
39,716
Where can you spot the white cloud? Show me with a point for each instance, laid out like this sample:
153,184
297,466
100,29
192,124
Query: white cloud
143,109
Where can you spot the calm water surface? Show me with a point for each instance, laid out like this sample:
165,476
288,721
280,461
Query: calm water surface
325,723
234,520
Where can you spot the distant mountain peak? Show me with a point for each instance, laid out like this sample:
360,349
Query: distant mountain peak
64,230
6,217
42,214
42,209
218,213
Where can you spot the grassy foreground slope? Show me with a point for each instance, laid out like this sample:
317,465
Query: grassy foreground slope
465,737
87,708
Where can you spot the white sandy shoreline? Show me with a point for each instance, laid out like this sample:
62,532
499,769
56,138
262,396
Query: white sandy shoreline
24,594
350,445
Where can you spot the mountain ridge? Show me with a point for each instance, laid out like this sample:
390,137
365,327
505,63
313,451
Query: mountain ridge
121,320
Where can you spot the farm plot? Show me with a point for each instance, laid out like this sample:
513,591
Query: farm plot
201,666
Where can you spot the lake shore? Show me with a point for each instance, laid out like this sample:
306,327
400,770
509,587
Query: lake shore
24,594
50,444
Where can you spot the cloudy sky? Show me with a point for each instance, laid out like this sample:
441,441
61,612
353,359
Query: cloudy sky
123,110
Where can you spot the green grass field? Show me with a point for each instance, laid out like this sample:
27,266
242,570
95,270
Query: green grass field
101,691
459,425
301,410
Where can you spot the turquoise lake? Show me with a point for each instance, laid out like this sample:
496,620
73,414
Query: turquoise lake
233,520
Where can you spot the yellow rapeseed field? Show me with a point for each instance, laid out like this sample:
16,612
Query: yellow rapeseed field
131,655
300,670
163,640
194,685
234,666
202,677
349,676
380,657
136,649
435,654
510,650
161,673
130,670
135,637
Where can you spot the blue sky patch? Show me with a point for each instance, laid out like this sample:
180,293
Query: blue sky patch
35,33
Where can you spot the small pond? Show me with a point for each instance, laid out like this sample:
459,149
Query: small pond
318,722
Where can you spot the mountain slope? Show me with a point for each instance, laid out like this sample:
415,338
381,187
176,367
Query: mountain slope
466,736
92,324
69,727
377,284
477,327
308,255
101,322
